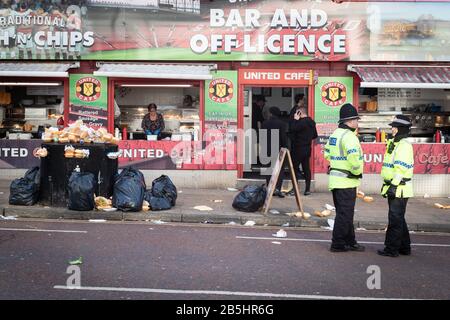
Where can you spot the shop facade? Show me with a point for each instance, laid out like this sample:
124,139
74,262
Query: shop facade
222,56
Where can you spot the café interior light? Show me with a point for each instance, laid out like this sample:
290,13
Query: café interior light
53,84
156,85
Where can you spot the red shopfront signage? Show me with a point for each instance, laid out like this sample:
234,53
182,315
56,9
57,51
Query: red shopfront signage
294,77
432,158
178,155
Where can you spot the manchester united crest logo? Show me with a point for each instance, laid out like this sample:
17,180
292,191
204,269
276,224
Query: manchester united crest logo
221,90
334,94
88,89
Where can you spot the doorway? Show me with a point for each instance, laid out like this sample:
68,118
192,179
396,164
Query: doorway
257,102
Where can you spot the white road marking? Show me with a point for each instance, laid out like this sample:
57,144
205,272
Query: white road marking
322,240
43,230
223,293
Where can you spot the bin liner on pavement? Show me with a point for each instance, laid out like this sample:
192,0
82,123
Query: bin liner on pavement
131,172
25,191
250,199
159,203
164,187
129,190
81,189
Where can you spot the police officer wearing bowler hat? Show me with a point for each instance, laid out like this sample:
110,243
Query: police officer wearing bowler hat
397,172
344,153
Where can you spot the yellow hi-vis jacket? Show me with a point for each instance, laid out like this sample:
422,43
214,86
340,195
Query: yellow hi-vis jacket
345,155
398,167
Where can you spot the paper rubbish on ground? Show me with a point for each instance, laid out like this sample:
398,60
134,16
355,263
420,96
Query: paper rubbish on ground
232,223
285,225
76,262
361,229
158,222
331,223
426,195
440,206
330,207
276,242
250,223
217,201
273,211
9,217
203,208
280,234
97,220
232,189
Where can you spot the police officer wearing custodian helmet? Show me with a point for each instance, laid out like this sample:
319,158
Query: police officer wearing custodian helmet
344,153
397,172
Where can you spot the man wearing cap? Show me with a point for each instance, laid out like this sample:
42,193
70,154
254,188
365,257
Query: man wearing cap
274,125
344,153
397,172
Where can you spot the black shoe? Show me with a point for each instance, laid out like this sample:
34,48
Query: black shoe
278,193
307,193
405,252
339,249
387,253
356,247
290,193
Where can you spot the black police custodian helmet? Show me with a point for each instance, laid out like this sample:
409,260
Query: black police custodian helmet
401,121
348,112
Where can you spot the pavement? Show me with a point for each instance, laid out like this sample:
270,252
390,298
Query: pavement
142,260
421,214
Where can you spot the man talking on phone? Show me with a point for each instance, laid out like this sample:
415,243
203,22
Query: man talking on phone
303,131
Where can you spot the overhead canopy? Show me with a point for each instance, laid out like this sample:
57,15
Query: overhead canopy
158,71
401,76
45,70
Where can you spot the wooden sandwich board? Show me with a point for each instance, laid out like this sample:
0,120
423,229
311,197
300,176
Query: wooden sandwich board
284,153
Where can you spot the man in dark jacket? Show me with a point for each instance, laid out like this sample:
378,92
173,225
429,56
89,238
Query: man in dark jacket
275,123
303,131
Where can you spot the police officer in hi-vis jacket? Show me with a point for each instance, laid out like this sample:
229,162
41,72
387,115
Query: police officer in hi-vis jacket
397,172
344,153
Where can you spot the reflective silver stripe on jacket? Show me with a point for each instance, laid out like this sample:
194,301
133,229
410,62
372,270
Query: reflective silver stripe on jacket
341,148
338,174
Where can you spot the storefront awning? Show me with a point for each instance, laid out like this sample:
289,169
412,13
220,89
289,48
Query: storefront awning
158,71
401,76
46,70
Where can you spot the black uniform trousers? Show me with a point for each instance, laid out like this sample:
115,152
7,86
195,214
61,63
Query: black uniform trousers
344,231
301,155
397,234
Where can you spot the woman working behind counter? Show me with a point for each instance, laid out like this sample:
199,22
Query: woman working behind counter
153,122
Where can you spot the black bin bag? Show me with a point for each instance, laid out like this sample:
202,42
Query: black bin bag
25,191
81,189
163,195
129,190
164,187
250,199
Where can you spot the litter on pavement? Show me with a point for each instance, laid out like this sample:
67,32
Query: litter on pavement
232,189
273,211
280,234
203,208
250,223
76,262
158,222
285,225
330,207
276,242
440,206
361,229
9,217
217,201
97,220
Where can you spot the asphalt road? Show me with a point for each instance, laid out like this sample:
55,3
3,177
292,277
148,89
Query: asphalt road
202,262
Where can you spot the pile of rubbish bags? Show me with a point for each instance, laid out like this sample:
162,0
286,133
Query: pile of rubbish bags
25,191
130,192
250,199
